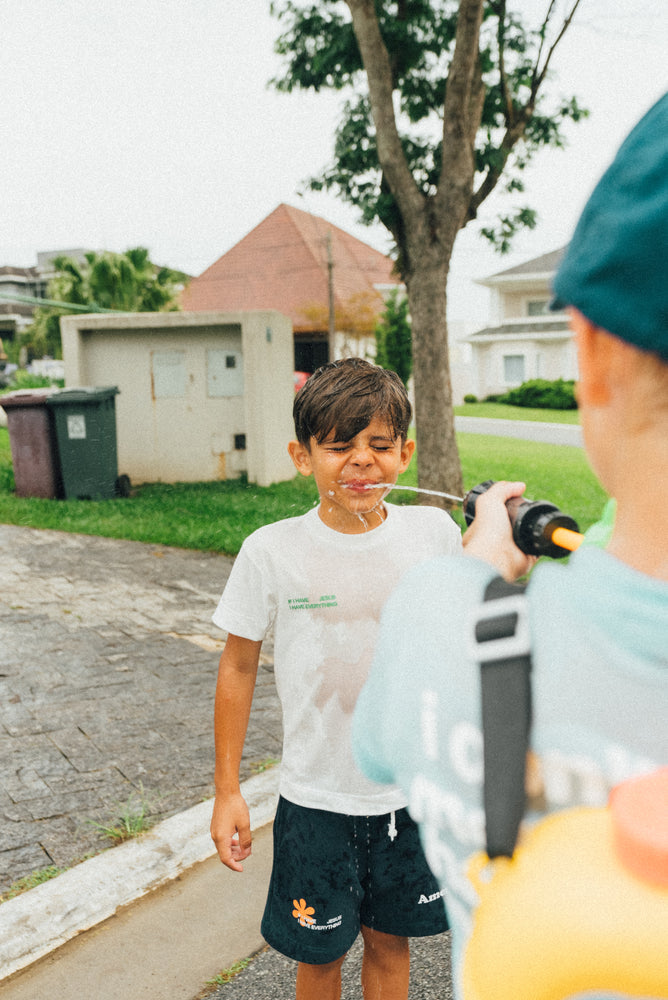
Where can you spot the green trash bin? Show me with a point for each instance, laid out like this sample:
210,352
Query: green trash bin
85,431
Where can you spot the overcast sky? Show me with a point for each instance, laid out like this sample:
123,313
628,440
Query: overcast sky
149,122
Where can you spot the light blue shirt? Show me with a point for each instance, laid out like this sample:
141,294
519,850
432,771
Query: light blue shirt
599,637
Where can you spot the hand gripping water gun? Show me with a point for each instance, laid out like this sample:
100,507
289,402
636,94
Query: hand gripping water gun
539,527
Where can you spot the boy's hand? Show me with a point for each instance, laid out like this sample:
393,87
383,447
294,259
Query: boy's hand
230,830
490,536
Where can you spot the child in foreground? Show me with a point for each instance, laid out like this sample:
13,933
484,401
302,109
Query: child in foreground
598,627
347,856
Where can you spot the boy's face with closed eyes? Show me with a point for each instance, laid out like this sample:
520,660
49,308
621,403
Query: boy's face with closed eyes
348,474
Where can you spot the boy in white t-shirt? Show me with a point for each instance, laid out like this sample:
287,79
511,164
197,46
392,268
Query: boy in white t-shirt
347,856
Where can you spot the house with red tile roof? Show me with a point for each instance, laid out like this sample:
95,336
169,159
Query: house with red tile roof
284,264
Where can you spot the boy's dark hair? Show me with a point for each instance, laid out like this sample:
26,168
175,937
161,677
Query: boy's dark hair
344,396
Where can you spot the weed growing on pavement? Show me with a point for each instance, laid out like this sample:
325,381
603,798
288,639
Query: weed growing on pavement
226,975
30,881
133,819
258,766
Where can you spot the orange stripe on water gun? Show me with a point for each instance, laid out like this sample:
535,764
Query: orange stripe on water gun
567,539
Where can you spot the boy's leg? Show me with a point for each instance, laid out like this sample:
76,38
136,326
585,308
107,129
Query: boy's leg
319,982
385,966
312,910
401,900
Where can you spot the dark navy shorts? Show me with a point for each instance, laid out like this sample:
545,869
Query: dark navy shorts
333,873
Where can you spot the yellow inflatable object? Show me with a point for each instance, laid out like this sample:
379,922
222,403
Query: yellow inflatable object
583,904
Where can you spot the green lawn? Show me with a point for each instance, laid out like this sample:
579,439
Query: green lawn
218,516
500,411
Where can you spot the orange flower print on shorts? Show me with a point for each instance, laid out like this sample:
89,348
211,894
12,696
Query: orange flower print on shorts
302,912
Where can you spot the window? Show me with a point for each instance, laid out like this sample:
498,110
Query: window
513,369
538,307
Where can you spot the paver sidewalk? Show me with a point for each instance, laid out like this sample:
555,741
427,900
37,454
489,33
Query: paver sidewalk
108,660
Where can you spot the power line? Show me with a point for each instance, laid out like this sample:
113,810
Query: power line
33,300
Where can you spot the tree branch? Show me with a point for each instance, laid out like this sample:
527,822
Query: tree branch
543,34
500,11
376,61
493,175
539,75
464,95
516,125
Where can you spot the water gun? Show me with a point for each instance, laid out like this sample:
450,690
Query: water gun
539,527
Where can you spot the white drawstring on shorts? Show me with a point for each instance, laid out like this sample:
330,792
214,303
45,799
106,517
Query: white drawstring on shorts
392,826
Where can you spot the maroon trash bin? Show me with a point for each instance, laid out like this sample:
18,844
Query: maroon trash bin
33,443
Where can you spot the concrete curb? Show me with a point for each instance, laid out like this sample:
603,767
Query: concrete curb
39,921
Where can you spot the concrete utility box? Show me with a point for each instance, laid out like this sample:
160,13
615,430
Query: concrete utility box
203,396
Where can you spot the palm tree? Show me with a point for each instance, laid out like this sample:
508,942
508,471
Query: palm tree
126,282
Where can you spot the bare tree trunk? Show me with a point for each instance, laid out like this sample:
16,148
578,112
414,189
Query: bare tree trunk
437,454
429,226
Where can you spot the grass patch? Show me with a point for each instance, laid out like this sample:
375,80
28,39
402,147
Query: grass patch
260,766
30,881
217,516
558,473
227,975
133,819
502,411
213,516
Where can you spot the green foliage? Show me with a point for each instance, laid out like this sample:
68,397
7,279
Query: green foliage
470,398
132,820
212,516
394,349
266,764
538,392
227,975
319,49
30,881
127,282
502,411
501,234
558,473
42,338
21,379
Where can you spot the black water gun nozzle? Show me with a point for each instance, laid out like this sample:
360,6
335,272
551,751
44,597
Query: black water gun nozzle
539,527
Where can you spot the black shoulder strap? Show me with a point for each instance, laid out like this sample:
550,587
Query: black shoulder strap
503,651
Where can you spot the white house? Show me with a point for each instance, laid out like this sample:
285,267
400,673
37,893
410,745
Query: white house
524,340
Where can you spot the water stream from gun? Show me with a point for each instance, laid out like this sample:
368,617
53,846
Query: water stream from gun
415,489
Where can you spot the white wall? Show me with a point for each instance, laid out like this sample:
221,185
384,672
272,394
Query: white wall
543,358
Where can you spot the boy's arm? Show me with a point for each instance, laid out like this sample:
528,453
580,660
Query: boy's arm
234,695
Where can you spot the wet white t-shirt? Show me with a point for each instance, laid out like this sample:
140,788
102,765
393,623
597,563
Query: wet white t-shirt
323,592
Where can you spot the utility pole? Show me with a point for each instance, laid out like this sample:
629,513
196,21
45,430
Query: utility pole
331,335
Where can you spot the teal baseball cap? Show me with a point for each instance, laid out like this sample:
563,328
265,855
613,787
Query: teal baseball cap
615,269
